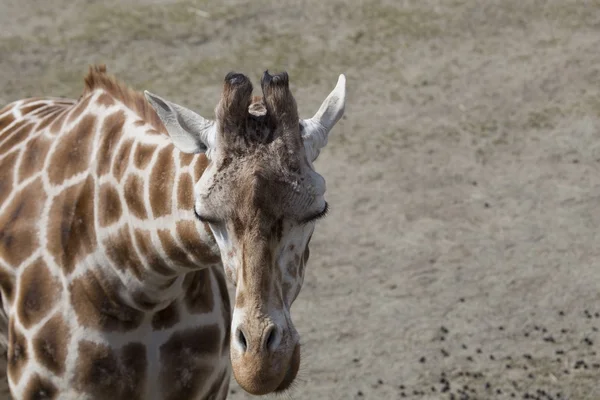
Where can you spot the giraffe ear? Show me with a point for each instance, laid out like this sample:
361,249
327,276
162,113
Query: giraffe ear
190,132
315,130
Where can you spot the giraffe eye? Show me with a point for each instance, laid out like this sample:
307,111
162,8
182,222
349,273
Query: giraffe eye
205,219
319,215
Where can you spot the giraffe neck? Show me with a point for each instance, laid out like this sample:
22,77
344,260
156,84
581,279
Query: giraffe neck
99,282
147,233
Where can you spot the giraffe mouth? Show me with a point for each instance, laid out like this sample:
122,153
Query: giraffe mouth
291,372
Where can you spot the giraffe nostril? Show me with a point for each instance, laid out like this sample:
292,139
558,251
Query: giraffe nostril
242,339
270,337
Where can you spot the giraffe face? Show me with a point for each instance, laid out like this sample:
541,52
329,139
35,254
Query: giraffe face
264,241
261,197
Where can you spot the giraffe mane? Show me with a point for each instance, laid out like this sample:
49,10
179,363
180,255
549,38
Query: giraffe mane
98,78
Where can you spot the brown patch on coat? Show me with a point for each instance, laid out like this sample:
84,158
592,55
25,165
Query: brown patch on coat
58,122
193,243
18,353
166,318
51,344
47,120
98,306
154,261
106,373
199,297
97,78
110,133
109,205
134,196
32,108
18,224
50,109
34,155
39,388
185,359
119,249
185,159
175,253
200,166
71,226
14,135
7,285
185,192
121,160
73,152
79,108
143,154
6,176
162,178
38,293
105,100
6,120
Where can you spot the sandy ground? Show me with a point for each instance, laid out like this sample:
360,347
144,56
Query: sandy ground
462,253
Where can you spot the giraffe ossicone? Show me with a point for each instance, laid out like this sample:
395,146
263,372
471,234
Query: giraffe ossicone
120,215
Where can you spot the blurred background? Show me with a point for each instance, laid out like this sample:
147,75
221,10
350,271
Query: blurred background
462,253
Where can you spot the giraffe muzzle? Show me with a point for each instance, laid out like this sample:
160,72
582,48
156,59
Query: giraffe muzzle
265,357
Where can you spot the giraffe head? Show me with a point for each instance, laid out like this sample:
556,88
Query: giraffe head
261,197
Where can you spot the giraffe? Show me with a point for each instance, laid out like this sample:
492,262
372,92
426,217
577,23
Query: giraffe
122,214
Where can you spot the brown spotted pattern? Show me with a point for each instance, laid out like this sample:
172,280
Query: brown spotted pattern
200,166
121,160
162,183
106,373
143,154
184,360
6,175
112,129
71,227
198,291
98,306
185,192
32,106
187,357
50,344
105,100
185,159
109,207
7,285
75,146
18,353
134,196
78,109
34,156
58,123
193,243
6,120
166,318
156,263
18,222
176,254
39,388
120,250
14,135
38,293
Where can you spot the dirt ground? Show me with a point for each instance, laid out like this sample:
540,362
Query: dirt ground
462,252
